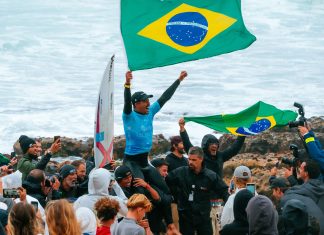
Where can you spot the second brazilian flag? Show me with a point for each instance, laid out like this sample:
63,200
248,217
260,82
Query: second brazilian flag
163,32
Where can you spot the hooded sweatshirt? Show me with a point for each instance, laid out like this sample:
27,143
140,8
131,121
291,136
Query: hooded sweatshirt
308,193
99,180
240,225
262,216
313,189
295,217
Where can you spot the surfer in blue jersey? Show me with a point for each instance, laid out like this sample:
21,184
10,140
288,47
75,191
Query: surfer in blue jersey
138,117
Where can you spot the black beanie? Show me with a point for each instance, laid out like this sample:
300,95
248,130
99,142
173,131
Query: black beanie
25,143
66,170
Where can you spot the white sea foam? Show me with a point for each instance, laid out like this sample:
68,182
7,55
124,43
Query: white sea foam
53,54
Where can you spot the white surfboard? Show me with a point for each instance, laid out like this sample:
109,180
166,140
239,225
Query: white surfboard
104,119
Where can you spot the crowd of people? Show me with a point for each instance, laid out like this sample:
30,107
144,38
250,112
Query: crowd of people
183,193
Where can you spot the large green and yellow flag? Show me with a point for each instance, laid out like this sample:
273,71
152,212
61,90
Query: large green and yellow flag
251,121
163,32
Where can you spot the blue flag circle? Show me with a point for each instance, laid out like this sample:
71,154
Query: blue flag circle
187,28
255,128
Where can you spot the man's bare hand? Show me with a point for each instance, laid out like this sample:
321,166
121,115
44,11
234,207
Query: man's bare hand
182,124
138,182
56,146
303,130
183,74
129,77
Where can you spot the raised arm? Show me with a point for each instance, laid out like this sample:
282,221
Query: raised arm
127,93
184,135
233,149
55,147
170,91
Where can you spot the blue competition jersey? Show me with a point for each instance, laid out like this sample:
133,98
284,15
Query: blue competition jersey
139,130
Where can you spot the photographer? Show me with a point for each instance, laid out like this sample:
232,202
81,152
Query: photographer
41,188
313,145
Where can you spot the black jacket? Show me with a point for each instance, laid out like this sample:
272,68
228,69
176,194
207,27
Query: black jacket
215,163
35,190
175,162
201,185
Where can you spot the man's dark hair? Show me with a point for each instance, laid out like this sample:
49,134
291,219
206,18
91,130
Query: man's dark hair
36,176
77,163
175,140
195,150
312,168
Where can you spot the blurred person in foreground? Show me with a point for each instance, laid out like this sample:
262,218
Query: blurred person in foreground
138,205
107,210
23,220
87,220
61,218
99,181
262,216
240,225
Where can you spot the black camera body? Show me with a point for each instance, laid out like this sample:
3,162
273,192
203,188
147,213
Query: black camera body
296,160
50,179
301,120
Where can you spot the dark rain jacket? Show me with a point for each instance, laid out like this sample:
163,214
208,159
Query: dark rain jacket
201,185
295,218
35,190
311,194
214,163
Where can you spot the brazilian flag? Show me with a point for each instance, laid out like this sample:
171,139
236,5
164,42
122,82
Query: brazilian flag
251,121
163,32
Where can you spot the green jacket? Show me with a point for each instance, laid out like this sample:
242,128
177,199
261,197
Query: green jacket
26,164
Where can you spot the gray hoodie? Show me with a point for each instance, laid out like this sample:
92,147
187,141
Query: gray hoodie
262,216
99,180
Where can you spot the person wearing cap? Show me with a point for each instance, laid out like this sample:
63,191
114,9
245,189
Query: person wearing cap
31,150
279,186
161,165
138,117
123,176
241,176
68,188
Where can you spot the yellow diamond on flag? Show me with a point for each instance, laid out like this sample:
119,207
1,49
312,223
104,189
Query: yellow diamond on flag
187,28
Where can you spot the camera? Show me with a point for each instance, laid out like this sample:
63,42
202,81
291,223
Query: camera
50,180
301,120
299,155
